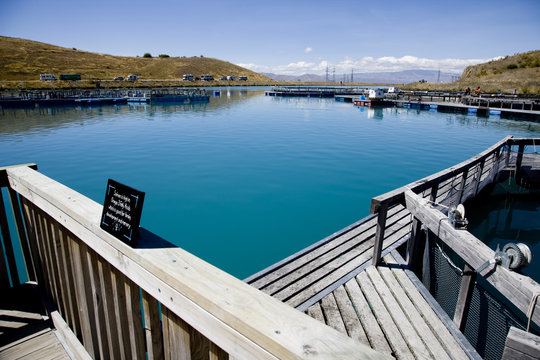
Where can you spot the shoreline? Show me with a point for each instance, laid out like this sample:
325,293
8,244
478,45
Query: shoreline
11,86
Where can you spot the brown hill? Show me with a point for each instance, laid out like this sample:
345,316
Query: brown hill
520,73
22,59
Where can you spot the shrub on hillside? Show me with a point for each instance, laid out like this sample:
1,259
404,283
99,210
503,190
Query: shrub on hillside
147,55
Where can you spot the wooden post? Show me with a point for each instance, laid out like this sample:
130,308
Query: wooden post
518,162
15,206
8,245
462,185
413,244
479,172
379,234
464,297
507,157
521,345
152,327
433,195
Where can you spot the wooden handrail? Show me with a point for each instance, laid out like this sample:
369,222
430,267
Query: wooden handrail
396,196
243,321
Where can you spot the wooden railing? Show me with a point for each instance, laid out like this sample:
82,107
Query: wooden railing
155,300
423,198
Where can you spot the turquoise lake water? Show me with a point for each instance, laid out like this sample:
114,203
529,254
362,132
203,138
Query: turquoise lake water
246,180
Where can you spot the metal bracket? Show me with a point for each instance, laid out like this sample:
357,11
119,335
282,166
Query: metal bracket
501,258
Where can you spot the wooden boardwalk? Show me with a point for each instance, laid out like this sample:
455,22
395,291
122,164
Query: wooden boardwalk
25,332
386,306
305,277
383,307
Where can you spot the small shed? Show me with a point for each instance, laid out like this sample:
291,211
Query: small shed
376,94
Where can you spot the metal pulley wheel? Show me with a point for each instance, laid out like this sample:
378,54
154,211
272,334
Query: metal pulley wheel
520,255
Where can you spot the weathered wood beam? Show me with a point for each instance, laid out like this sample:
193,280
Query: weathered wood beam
379,234
521,345
3,174
464,298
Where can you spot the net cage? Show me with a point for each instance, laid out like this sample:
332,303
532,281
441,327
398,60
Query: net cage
490,315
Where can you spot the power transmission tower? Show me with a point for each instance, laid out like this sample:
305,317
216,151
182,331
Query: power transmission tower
327,73
352,75
334,75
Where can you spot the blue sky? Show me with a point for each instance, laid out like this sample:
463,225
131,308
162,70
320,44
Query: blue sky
288,37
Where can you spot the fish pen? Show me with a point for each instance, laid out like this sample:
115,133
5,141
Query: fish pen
408,280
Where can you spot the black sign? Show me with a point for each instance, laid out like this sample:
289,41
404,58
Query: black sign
122,211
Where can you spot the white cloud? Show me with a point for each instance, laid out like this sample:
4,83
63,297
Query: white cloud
308,50
368,64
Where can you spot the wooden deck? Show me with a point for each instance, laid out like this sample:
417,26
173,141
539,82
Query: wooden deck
369,293
384,307
25,331
307,276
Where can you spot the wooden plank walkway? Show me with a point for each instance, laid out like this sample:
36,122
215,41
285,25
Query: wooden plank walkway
25,333
385,307
305,277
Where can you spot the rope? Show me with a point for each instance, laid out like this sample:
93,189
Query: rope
450,262
531,309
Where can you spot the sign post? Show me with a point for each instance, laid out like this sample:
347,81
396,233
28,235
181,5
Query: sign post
122,211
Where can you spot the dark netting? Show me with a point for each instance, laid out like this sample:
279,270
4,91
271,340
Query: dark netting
488,324
489,319
440,276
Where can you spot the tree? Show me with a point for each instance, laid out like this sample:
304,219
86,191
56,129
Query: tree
147,55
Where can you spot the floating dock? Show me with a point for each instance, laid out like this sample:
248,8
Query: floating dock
313,91
39,98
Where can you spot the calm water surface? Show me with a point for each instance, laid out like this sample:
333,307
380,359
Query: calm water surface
246,180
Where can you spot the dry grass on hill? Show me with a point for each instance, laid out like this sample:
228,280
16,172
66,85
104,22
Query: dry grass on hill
24,60
520,72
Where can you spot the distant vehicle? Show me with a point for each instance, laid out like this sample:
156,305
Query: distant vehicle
231,78
132,78
119,78
242,78
70,77
187,77
223,78
393,90
47,77
207,77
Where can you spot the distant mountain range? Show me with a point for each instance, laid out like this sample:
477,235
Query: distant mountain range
398,77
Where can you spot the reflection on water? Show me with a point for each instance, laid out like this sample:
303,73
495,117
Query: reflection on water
25,121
